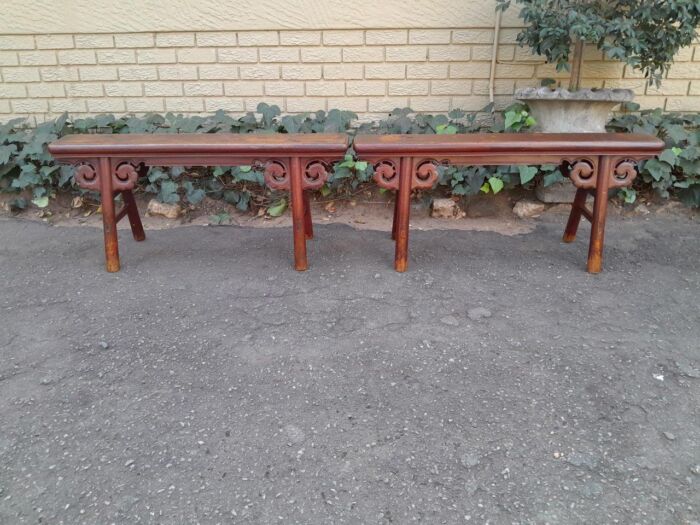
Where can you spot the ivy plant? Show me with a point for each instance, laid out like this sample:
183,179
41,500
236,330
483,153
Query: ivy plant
28,172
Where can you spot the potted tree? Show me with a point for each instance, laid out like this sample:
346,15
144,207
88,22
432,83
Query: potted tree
644,34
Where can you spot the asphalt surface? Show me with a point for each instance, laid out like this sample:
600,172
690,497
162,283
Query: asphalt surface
207,382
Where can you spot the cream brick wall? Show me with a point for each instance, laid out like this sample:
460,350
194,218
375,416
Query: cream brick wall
368,71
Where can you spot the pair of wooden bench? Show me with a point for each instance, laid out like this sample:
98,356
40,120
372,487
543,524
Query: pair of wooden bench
596,163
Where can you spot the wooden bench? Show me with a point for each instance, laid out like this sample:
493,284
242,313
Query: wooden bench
595,163
111,165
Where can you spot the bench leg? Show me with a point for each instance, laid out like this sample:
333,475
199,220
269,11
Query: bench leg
575,215
297,196
403,207
396,214
600,210
133,213
308,224
108,216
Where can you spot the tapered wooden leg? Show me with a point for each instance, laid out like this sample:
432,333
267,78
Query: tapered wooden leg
108,217
575,215
133,213
396,214
403,205
297,196
600,210
308,224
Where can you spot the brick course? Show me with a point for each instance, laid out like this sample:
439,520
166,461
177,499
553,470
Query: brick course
368,71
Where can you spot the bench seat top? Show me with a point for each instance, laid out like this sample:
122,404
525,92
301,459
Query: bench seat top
510,144
163,144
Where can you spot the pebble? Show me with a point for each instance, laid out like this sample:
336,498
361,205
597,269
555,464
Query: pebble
478,313
670,436
294,434
445,209
450,320
695,469
129,463
579,459
470,459
526,209
104,345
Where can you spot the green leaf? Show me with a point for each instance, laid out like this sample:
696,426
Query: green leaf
19,203
445,129
231,196
361,165
278,208
41,202
243,201
629,195
6,152
496,184
195,196
220,218
527,173
512,118
168,192
552,178
668,156
658,170
325,190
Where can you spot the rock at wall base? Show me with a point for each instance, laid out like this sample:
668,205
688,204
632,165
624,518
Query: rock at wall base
560,192
526,209
445,209
169,211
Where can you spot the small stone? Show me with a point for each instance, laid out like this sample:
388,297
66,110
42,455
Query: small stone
294,434
129,463
478,313
641,209
169,211
592,489
695,469
104,345
579,459
445,209
470,460
557,455
561,192
526,209
670,436
686,369
450,320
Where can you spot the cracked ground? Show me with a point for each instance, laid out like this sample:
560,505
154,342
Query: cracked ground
207,382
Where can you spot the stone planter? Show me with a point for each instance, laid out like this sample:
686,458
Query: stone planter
563,111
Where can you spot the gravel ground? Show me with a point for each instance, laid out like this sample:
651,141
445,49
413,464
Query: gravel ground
207,382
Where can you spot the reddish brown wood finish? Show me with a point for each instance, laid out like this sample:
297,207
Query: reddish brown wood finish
596,163
111,164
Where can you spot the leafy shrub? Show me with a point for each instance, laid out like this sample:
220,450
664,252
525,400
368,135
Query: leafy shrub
26,168
645,34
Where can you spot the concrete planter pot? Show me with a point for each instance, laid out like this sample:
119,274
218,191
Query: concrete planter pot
563,111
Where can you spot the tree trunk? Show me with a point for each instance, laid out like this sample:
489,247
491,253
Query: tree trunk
576,62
